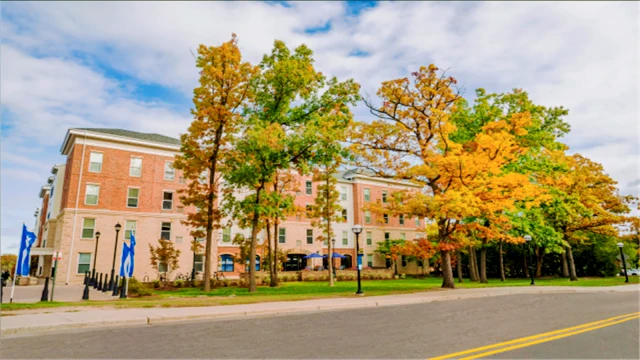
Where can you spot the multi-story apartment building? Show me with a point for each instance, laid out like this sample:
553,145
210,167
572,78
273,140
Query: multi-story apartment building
114,176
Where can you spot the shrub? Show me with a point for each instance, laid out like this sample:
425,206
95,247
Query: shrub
137,288
403,276
156,284
178,283
225,283
340,277
266,280
311,278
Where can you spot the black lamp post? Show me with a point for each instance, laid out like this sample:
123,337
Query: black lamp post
624,264
193,271
333,246
527,238
95,258
357,229
113,264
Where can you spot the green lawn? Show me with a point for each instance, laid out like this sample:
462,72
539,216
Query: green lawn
291,291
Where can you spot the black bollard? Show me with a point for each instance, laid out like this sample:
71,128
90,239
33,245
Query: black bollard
86,278
116,290
99,288
94,282
105,284
116,287
123,289
85,293
45,291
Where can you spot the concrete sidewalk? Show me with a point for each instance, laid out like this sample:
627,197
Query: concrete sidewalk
36,323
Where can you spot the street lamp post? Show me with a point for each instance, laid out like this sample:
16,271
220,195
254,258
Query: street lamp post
527,238
333,246
193,271
357,229
624,264
95,258
113,264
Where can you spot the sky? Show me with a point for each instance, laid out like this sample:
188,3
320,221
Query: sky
130,65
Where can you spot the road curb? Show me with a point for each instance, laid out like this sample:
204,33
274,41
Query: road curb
68,323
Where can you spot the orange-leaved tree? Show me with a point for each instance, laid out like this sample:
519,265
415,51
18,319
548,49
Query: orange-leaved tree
218,101
410,141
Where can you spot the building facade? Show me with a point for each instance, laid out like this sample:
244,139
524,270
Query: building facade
114,176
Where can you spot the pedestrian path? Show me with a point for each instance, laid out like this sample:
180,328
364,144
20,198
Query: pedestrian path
71,292
34,323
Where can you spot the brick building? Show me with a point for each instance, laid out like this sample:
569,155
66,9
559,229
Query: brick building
116,176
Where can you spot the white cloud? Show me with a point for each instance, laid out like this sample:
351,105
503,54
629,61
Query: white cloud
63,64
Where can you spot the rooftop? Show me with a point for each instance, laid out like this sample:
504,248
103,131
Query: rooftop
134,135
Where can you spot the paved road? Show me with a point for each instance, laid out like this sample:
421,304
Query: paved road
411,331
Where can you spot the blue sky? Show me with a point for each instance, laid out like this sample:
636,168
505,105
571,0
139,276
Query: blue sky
129,65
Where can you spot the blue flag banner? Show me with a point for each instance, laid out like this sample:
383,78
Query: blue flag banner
27,240
127,263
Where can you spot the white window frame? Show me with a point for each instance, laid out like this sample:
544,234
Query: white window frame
385,217
403,236
129,197
401,219
93,230
86,193
161,230
199,265
308,187
282,232
309,230
367,214
369,237
135,226
172,172
417,221
101,161
131,166
84,263
163,199
345,215
385,195
387,236
367,194
226,232
345,238
343,193
370,260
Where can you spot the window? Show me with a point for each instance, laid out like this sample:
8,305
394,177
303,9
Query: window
84,262
370,260
386,218
169,172
403,236
92,193
310,236
282,235
367,217
132,197
162,267
198,262
309,209
401,219
309,187
178,239
343,193
226,263
345,238
95,162
88,226
404,261
167,200
369,238
135,167
257,264
387,236
129,228
384,196
344,214
226,235
417,220
165,232
367,194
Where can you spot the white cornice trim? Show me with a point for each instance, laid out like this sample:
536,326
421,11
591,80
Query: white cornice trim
72,133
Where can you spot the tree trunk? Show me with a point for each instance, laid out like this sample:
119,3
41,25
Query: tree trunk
483,264
539,258
330,255
274,278
272,255
572,265
459,265
565,267
447,272
501,261
473,266
254,241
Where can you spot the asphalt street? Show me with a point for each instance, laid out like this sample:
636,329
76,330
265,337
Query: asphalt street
395,332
